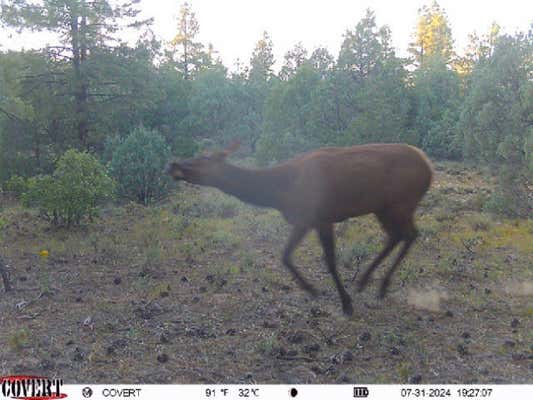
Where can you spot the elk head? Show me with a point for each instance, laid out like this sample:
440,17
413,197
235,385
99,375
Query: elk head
203,169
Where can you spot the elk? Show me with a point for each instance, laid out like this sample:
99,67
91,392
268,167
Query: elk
317,189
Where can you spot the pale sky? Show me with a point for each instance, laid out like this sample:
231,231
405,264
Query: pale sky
234,26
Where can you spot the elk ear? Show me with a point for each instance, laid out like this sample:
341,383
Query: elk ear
232,148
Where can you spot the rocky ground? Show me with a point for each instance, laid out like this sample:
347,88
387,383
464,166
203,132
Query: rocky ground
192,291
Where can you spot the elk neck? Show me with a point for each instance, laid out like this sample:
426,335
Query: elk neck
261,187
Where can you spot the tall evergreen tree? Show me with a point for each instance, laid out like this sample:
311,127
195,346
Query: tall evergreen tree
433,36
85,28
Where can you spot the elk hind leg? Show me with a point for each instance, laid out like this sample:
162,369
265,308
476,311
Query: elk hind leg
409,234
393,238
327,239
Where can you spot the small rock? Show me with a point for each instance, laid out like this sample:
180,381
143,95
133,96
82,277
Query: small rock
365,336
462,350
78,355
184,279
509,343
415,379
311,348
162,358
347,356
394,351
296,337
195,299
202,289
264,289
45,364
488,291
78,299
270,324
519,356
465,335
117,280
231,332
210,279
163,338
316,312
292,353
448,313
515,322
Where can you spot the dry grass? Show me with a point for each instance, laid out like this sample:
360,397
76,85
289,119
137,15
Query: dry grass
193,292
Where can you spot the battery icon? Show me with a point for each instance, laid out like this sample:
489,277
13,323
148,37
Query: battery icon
360,391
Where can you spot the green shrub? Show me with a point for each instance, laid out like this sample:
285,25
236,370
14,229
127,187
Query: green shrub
138,164
78,184
15,186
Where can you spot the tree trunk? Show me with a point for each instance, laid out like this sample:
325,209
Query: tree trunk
79,55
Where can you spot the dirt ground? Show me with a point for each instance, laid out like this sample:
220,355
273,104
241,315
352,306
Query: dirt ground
192,291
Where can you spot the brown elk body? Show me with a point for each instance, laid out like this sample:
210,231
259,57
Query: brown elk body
329,185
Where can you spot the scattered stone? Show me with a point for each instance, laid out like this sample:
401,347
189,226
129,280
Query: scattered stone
296,337
449,313
163,338
292,353
311,348
78,355
162,358
462,350
70,342
394,351
347,356
45,364
117,280
313,323
270,324
509,343
200,332
202,289
231,332
488,291
78,299
519,356
316,312
210,279
415,379
195,299
365,336
264,289
222,282
184,279
465,335
515,322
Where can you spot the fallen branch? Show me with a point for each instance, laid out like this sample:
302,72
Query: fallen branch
5,276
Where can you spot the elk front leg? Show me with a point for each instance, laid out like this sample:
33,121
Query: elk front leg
297,234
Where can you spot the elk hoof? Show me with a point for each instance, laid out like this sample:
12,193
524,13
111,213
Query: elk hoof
347,308
311,290
382,291
361,285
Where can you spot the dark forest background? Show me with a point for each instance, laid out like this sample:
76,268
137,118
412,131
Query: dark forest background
91,92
